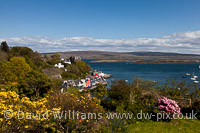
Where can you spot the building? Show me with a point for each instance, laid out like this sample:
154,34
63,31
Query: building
67,61
101,74
59,65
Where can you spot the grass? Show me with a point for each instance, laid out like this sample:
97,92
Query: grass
183,126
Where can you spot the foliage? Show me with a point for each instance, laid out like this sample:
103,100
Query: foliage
196,108
4,47
79,69
14,70
21,51
11,101
120,90
53,59
176,89
168,106
101,92
38,83
45,113
32,58
29,82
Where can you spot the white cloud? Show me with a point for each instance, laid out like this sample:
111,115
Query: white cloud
186,42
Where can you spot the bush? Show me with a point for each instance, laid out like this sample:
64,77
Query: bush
79,69
168,106
196,108
55,103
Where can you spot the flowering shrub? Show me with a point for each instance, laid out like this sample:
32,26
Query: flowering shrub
31,116
168,106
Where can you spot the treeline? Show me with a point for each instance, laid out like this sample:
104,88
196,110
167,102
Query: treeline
29,73
21,71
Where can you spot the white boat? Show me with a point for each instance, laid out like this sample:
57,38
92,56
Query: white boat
193,78
187,74
196,81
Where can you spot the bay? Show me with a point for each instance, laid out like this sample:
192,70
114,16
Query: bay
154,72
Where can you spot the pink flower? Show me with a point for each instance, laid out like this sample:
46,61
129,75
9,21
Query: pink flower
168,105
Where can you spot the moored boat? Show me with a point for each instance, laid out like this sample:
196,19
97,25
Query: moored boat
187,74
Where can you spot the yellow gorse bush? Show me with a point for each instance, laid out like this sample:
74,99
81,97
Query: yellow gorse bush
13,105
26,115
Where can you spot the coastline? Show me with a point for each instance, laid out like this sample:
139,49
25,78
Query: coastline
147,62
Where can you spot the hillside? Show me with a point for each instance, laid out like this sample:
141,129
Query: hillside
126,55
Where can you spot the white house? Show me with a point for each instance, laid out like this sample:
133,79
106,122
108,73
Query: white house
59,65
67,61
101,74
83,82
62,59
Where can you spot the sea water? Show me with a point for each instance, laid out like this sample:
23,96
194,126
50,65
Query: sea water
154,72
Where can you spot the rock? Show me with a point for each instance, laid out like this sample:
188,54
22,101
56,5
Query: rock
106,76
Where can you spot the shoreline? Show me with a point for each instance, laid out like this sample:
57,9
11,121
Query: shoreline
147,62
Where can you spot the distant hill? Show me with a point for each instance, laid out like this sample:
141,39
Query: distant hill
127,55
159,54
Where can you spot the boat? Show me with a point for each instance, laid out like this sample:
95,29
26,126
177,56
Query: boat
196,82
193,78
187,74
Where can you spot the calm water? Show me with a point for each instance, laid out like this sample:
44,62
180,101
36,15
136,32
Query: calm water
155,72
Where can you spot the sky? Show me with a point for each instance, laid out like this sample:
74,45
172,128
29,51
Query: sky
104,25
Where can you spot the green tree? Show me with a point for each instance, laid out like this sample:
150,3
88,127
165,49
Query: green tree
54,59
29,82
101,92
4,46
14,70
38,83
34,59
120,90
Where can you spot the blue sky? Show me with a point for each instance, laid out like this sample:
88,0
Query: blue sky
98,23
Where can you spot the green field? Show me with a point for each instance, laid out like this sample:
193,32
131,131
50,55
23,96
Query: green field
182,126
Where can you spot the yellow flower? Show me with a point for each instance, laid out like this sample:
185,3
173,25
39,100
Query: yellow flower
87,120
26,126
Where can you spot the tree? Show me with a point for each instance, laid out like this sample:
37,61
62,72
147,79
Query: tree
101,91
38,83
120,90
4,46
32,58
14,70
3,56
29,81
54,59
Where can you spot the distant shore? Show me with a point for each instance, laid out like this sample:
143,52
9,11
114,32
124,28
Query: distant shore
147,62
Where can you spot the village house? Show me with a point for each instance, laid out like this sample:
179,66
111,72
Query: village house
59,65
89,82
67,61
